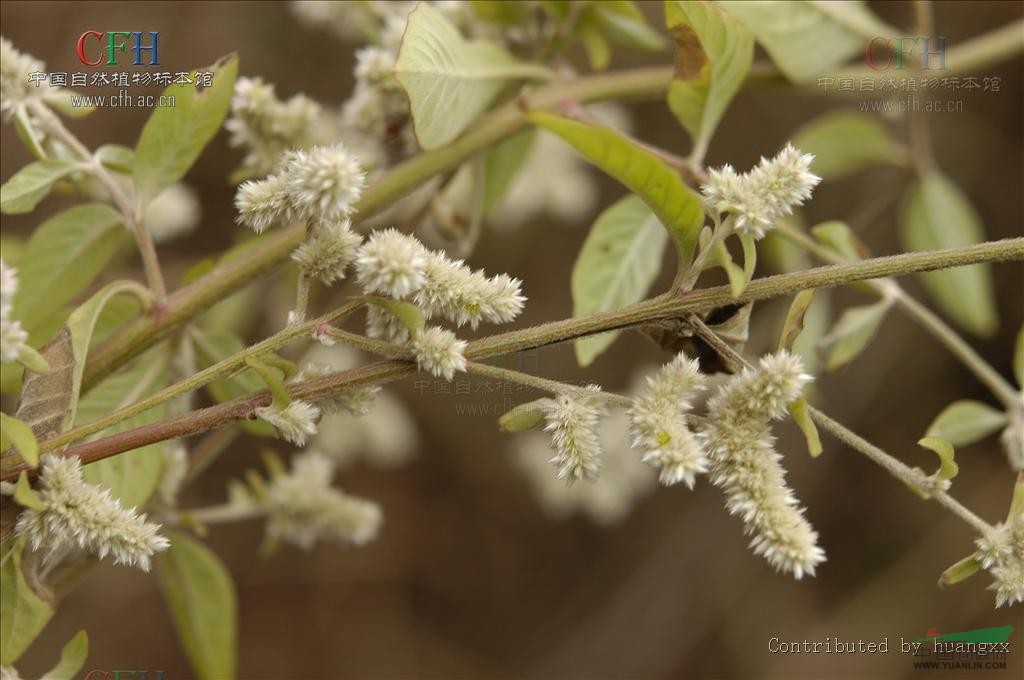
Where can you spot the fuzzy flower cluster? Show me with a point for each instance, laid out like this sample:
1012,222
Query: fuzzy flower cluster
759,198
393,264
302,507
15,68
86,517
328,251
1001,552
266,127
658,422
745,464
295,422
572,419
13,337
319,186
358,401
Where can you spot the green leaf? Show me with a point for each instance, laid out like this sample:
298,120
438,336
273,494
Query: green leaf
200,597
678,208
449,80
72,658
502,163
408,313
1018,357
64,256
737,278
840,239
116,157
23,612
800,411
174,136
27,132
960,571
599,52
713,55
214,345
133,476
22,192
522,418
853,332
622,23
616,266
965,422
794,324
26,496
938,215
944,450
49,401
20,434
806,38
844,142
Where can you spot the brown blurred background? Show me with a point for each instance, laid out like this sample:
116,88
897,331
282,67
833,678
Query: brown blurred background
469,578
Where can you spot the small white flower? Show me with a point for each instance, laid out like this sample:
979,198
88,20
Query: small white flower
356,401
13,338
383,325
439,352
572,420
86,517
996,546
746,466
173,213
15,68
391,263
1009,582
303,507
454,291
263,203
8,284
328,251
294,423
770,191
323,183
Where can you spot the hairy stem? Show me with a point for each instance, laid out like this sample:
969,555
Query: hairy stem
544,384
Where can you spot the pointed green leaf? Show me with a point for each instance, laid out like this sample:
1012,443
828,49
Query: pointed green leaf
501,165
944,450
737,278
839,238
20,435
965,422
523,417
622,23
800,411
72,658
200,597
26,496
27,132
853,332
22,192
64,256
960,571
844,142
794,323
23,612
937,215
408,313
641,171
616,266
449,80
174,136
713,55
116,157
806,38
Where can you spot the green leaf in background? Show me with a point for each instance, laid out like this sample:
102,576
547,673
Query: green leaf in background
616,266
523,417
22,192
20,435
1018,358
133,476
49,400
72,658
23,612
851,335
938,215
678,208
214,345
502,163
449,80
26,129
965,422
840,239
409,314
619,22
116,157
65,254
174,136
713,55
805,37
844,142
201,599
948,468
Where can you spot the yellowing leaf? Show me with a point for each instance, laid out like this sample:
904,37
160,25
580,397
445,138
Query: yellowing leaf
938,215
616,266
449,80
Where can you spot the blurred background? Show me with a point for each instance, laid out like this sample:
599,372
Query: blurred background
471,577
